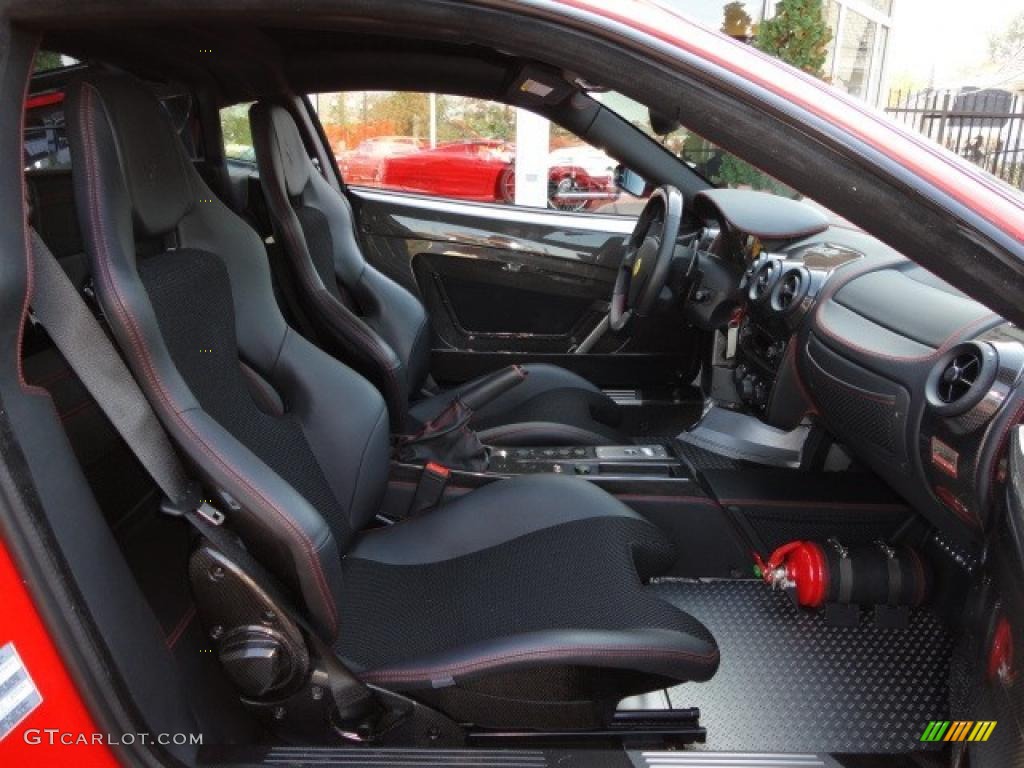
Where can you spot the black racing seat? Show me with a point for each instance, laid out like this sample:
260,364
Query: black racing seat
370,321
521,604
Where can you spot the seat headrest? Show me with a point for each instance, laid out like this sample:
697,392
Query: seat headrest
154,168
279,148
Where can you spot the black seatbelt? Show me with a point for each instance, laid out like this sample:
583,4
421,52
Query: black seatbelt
59,308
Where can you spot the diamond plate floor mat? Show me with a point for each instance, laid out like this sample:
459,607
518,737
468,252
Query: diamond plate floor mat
788,682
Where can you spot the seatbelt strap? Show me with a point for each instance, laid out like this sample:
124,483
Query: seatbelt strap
59,308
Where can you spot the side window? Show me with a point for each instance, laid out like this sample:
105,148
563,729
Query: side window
234,125
466,149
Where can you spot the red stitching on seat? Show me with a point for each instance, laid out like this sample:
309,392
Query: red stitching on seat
142,353
180,627
456,669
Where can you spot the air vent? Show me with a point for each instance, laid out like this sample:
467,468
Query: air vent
765,275
790,289
961,378
959,375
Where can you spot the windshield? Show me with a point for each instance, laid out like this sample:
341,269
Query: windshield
717,166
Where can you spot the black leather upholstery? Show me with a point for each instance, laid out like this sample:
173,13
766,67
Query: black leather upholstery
368,319
535,583
552,406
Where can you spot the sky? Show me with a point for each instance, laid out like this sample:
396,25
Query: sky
947,37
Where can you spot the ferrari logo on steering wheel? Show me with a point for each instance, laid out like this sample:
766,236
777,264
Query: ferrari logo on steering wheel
636,266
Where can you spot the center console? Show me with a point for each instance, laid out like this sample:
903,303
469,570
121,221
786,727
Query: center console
778,293
601,461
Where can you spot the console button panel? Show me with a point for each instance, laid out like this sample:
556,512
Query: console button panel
587,461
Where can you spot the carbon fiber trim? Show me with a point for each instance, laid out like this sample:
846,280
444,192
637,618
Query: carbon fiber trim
790,683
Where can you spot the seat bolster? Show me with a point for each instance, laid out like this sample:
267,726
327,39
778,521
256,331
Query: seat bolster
399,318
345,421
677,656
487,517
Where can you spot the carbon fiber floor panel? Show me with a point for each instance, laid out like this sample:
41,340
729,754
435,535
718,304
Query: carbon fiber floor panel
788,682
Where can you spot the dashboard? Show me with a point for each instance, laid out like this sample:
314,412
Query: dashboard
919,381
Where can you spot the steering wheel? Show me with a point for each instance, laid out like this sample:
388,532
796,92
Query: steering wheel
645,264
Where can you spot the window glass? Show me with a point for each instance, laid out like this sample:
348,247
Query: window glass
885,6
855,51
49,60
719,167
46,143
466,149
736,18
234,125
832,19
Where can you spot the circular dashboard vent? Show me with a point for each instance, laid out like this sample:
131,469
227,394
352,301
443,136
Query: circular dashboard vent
765,275
961,378
790,289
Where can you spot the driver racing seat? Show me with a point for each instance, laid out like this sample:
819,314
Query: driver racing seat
521,604
381,329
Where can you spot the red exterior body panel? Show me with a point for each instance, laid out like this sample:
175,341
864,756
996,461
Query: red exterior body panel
465,171
62,707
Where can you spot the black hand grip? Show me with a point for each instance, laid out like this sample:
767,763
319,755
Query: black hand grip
495,385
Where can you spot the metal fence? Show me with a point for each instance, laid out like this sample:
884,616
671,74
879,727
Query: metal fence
984,126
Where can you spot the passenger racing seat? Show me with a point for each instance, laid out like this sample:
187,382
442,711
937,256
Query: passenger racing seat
372,322
521,604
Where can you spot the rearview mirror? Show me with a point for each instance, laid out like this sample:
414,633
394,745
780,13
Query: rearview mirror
662,124
630,181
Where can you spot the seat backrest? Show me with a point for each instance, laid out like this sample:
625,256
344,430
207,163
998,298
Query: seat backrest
298,440
364,316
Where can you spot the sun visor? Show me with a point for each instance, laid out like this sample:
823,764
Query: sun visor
536,85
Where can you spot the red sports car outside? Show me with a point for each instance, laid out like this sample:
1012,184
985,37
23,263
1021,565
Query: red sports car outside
483,170
365,163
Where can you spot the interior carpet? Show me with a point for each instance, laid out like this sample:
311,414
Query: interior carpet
701,458
789,682
659,419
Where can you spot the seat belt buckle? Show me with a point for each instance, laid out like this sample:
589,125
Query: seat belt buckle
210,513
430,488
190,504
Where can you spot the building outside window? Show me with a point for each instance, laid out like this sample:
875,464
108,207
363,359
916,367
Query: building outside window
861,33
857,54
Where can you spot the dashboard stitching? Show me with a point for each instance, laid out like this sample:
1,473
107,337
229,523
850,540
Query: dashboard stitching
831,289
945,345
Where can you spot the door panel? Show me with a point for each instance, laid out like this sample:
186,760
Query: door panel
504,284
993,650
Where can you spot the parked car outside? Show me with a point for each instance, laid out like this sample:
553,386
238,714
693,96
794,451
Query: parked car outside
364,164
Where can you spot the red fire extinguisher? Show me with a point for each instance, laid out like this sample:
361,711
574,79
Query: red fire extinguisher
816,574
